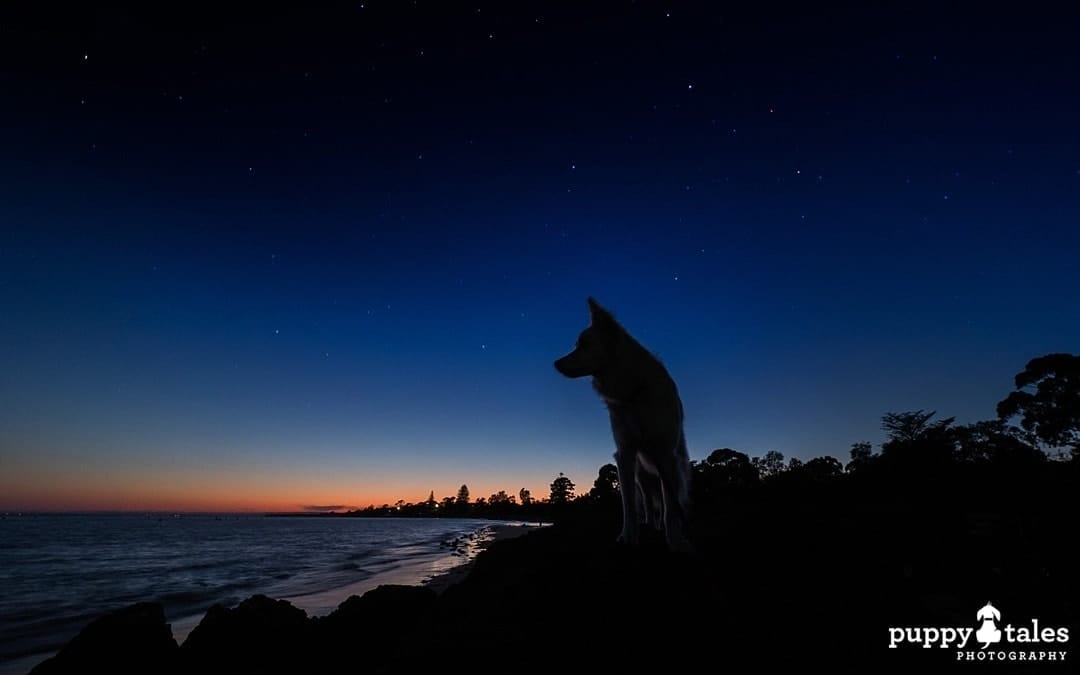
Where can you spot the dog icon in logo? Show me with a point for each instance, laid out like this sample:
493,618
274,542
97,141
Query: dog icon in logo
988,632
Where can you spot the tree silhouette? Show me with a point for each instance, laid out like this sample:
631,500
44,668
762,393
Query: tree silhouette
823,468
712,480
562,490
731,466
525,496
500,498
994,441
1052,411
917,445
771,464
606,485
463,495
907,427
862,454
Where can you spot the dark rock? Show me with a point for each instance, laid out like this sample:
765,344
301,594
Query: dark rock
134,639
573,591
259,635
381,609
384,622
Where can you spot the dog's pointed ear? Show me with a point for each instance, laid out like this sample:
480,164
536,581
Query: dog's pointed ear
600,316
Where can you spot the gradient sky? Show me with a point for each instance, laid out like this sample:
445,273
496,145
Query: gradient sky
270,259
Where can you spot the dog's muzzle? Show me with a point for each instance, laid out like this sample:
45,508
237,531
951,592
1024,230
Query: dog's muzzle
569,366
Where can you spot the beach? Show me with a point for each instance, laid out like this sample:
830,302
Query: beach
491,535
192,562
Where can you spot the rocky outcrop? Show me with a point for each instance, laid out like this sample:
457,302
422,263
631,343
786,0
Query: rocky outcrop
133,640
258,635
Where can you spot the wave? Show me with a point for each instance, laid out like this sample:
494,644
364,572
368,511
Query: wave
190,564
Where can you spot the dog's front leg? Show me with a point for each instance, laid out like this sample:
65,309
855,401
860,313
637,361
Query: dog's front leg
627,463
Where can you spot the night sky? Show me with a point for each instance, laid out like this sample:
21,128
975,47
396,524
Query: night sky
275,259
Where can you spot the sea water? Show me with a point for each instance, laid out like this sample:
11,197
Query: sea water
60,571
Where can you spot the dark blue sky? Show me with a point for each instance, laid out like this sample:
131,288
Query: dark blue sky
261,257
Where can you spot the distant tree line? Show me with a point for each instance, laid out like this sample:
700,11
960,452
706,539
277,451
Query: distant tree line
921,451
501,505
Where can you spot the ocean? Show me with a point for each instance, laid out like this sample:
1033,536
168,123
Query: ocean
60,571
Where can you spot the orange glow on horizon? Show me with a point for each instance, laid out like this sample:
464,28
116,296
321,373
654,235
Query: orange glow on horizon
175,483
148,496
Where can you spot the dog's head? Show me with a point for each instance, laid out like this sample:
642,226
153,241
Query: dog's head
594,351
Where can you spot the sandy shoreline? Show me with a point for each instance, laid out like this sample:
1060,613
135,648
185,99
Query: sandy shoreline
437,572
491,534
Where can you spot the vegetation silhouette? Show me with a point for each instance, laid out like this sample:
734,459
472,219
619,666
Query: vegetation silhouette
1052,412
562,490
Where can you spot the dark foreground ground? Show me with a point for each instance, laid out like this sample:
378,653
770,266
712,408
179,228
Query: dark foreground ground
812,579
